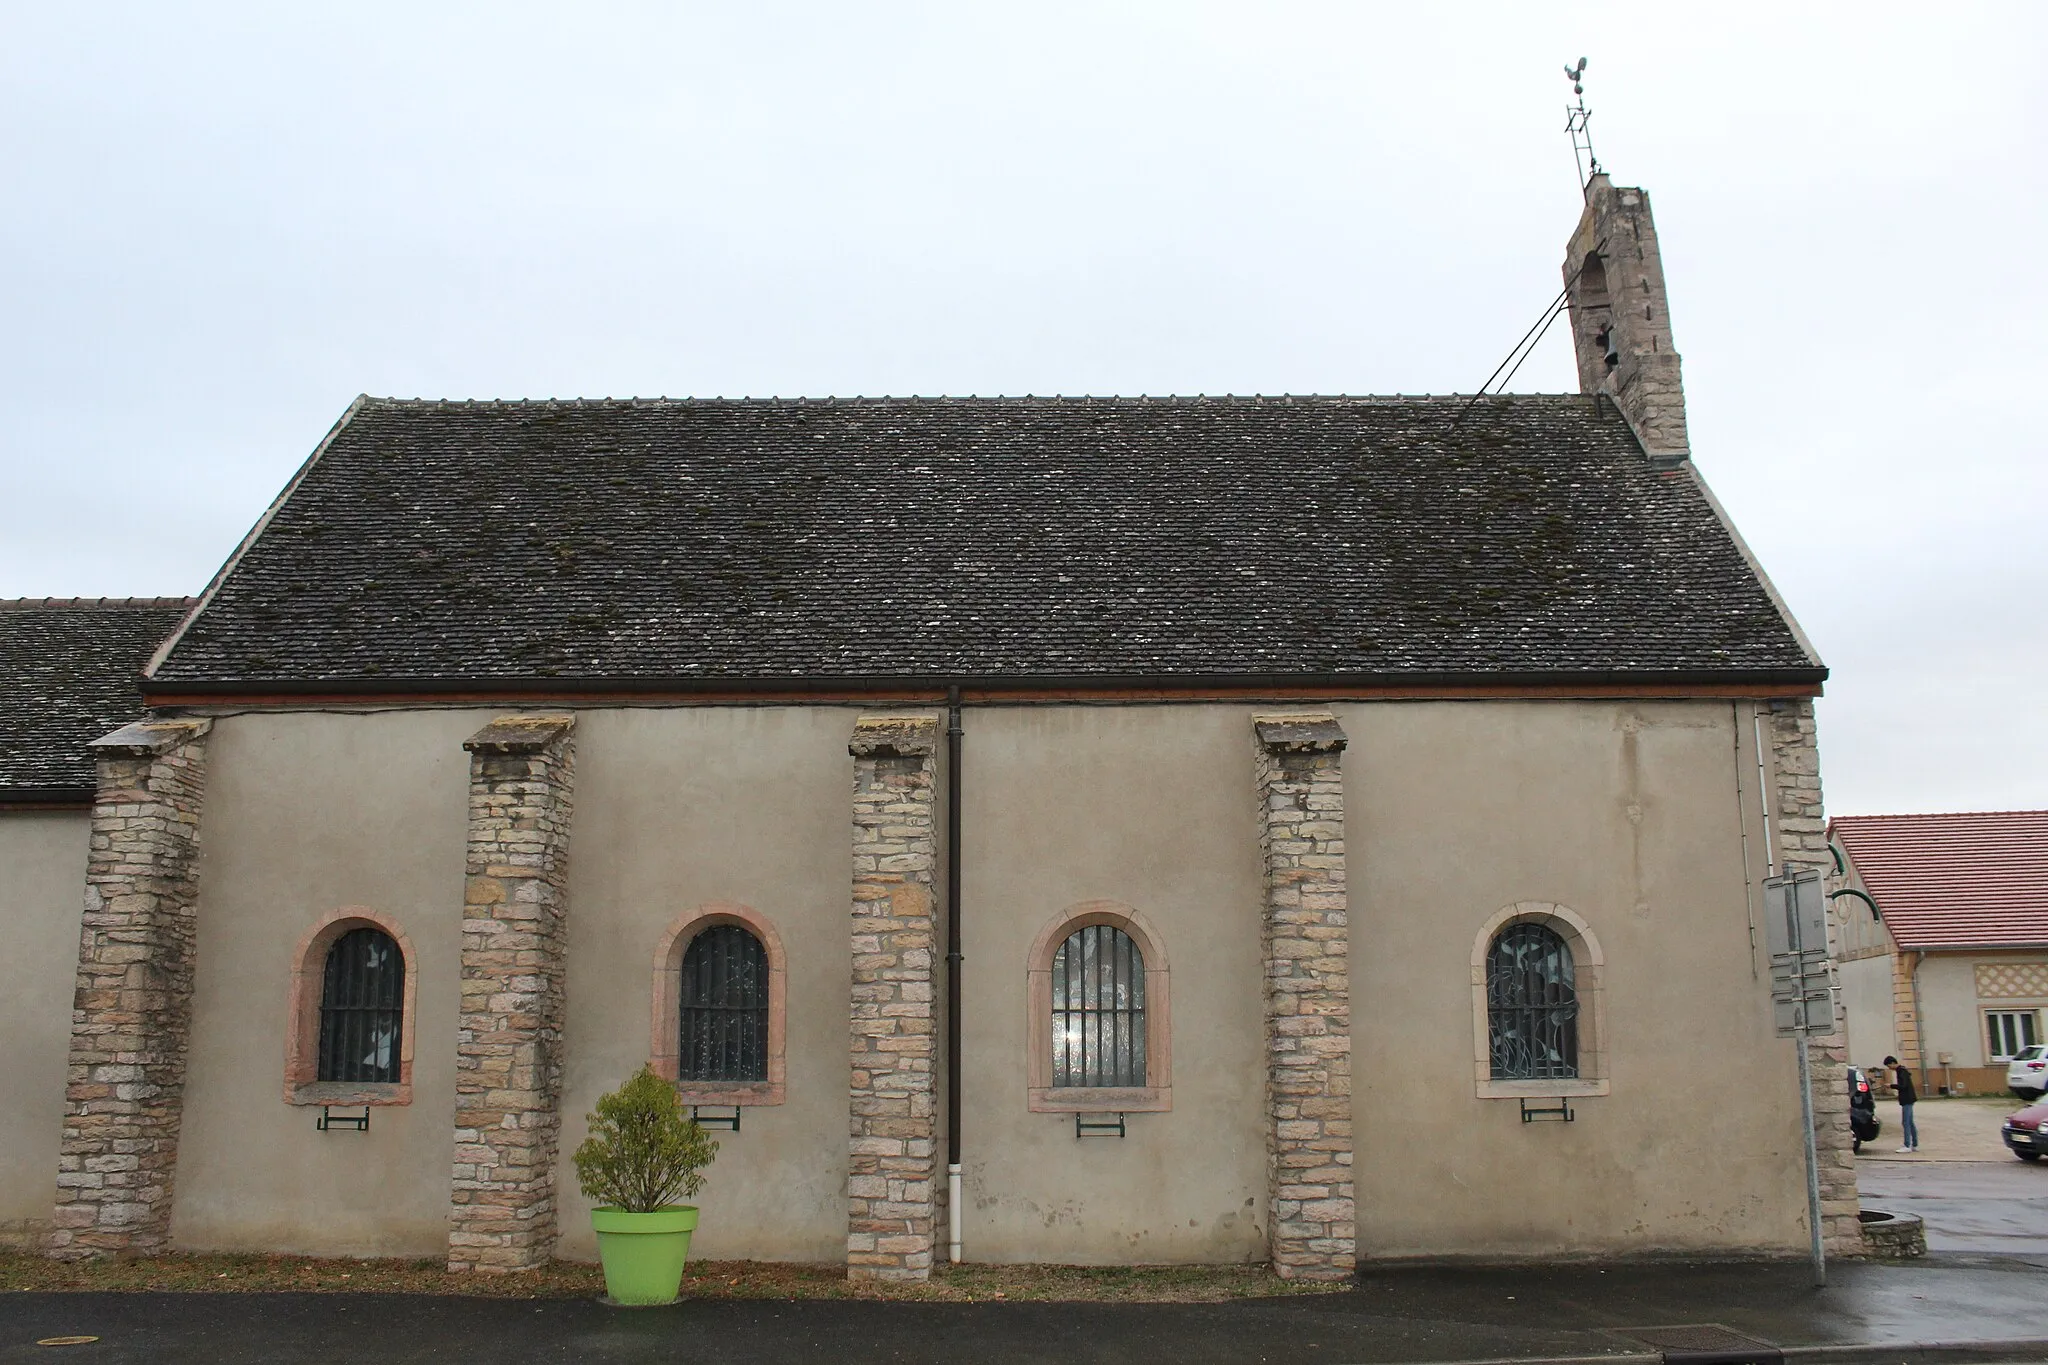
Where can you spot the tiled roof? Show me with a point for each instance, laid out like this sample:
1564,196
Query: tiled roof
68,674
1976,880
780,542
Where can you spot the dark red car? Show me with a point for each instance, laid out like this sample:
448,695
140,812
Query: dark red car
2027,1132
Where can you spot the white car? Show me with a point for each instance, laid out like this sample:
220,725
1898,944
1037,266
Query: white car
2027,1077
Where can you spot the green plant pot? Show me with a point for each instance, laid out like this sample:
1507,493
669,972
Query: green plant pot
644,1253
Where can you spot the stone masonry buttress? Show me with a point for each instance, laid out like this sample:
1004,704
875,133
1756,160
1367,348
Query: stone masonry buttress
1311,1191
1799,823
892,1100
131,1017
508,1049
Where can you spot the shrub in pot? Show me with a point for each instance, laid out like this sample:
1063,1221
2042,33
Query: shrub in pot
643,1153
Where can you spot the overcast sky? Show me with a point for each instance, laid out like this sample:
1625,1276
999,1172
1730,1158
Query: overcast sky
222,223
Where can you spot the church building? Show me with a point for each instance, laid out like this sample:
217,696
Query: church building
1306,830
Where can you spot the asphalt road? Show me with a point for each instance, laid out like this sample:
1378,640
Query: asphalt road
1418,1315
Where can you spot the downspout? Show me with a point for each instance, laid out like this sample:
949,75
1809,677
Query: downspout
953,958
1763,787
1742,824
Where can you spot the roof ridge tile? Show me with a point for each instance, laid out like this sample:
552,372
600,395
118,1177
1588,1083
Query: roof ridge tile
91,603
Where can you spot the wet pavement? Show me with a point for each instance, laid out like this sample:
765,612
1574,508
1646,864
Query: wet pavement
1407,1315
1995,1207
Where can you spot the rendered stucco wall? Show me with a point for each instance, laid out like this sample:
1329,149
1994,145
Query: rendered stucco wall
42,885
1153,807
1953,1011
1625,813
1867,1003
1948,1012
675,808
306,812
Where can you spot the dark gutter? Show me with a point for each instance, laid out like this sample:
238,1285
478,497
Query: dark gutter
1923,949
155,688
46,798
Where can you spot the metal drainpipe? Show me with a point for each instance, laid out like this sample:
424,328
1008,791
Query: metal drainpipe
953,959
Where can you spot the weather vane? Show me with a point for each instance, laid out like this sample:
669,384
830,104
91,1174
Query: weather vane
1577,119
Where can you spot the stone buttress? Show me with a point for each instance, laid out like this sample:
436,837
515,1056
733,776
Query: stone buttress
892,1099
1799,823
131,1017
1306,936
508,1049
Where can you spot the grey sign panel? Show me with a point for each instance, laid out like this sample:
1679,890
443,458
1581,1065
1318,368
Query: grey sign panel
1796,913
1796,929
1802,1004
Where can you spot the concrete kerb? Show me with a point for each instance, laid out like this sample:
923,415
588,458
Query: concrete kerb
1920,1352
1847,1353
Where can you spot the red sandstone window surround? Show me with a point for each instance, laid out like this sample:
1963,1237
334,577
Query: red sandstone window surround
666,1018
1043,1070
302,1083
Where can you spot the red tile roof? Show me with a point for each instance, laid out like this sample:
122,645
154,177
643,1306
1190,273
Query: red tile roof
1976,880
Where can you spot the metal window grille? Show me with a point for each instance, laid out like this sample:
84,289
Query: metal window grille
724,1007
1098,1009
1532,1005
362,1008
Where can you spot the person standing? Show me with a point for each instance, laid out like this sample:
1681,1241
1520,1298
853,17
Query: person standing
1902,1086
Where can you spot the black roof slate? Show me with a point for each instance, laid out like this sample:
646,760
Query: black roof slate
69,669
695,542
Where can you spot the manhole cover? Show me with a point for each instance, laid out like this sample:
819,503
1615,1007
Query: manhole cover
1705,1343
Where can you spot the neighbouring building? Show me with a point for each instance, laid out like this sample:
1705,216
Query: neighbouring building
1218,829
1953,978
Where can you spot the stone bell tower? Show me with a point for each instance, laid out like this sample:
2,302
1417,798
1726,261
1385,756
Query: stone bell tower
1621,325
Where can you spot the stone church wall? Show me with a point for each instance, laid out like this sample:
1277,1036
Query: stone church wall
676,809
1152,808
1624,813
1618,818
42,885
307,813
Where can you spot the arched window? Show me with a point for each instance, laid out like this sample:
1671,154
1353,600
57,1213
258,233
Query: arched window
362,1008
350,1017
1098,1009
722,1001
1096,987
720,1007
1532,1005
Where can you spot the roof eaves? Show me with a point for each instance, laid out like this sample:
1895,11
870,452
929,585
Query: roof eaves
2015,946
812,682
45,797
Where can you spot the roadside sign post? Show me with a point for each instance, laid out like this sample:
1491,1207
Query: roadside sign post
1796,926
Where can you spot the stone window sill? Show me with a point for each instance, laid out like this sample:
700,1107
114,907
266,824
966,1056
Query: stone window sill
1101,1099
742,1094
1542,1090
351,1093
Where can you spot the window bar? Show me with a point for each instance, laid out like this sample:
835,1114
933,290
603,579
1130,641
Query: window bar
723,1011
